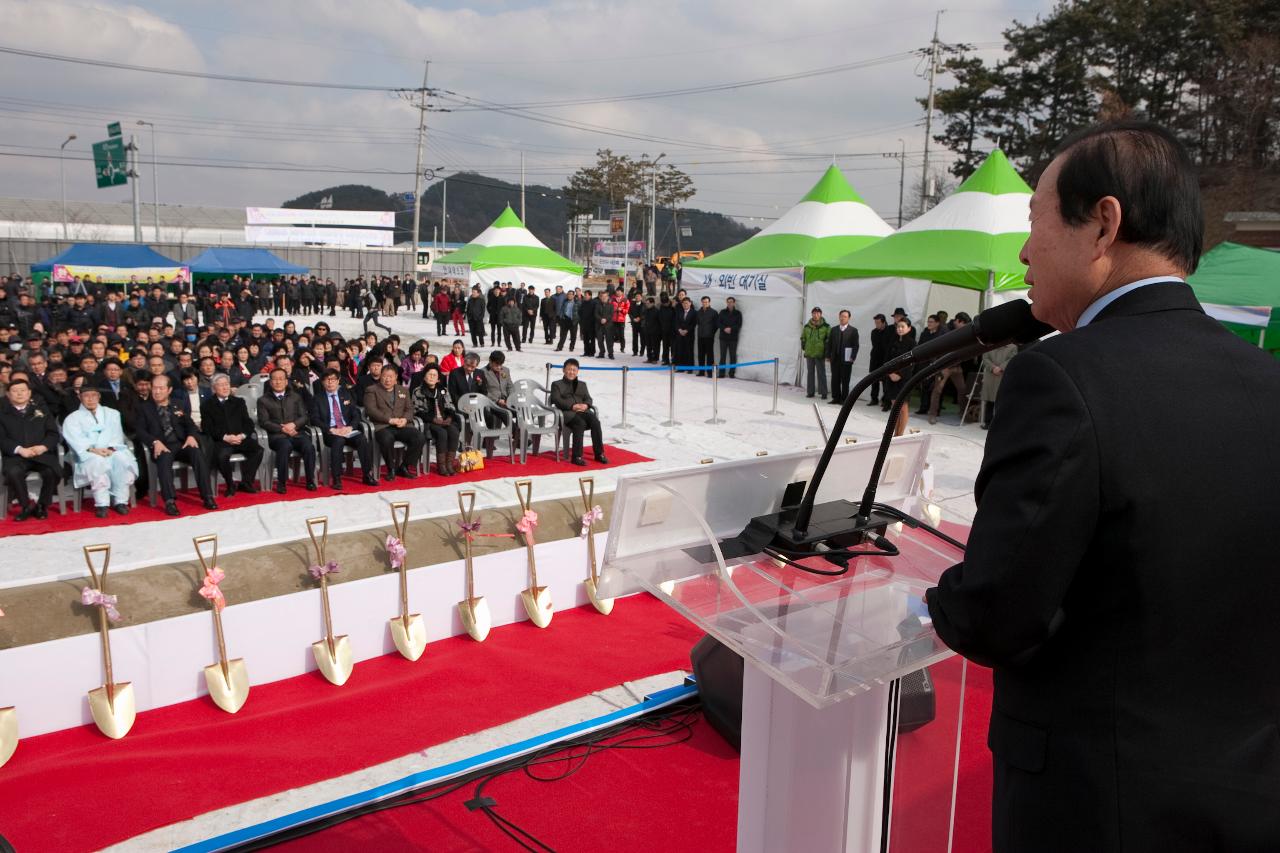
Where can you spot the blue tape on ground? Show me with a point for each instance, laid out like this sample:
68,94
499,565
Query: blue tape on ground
440,774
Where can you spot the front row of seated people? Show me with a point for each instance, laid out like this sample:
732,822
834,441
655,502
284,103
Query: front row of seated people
102,459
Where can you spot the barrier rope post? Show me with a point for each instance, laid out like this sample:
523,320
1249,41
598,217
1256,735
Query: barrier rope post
715,388
774,410
547,382
671,418
624,424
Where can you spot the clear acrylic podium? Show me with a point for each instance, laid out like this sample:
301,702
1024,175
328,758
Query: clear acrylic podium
827,763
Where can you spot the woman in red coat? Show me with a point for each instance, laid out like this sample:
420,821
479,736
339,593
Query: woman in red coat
454,358
440,307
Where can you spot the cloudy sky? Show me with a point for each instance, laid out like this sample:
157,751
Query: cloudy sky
752,150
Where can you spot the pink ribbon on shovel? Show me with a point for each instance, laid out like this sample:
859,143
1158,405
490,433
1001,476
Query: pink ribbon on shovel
396,551
90,597
470,529
329,568
211,590
589,518
527,524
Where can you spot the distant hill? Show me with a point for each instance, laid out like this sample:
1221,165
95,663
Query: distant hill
476,200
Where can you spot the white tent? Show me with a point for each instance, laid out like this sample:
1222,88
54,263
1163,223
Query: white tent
765,274
506,251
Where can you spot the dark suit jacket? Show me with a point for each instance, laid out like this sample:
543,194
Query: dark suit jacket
226,418
460,384
837,342
1121,578
150,429
274,413
36,425
320,413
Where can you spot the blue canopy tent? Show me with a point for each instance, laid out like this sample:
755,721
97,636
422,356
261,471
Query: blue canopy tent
222,261
110,262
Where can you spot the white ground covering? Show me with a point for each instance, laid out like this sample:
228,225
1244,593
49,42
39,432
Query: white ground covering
956,456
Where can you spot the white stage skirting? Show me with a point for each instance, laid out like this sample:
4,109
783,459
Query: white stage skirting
165,659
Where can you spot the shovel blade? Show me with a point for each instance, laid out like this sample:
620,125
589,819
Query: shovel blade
229,691
537,603
8,733
411,640
603,605
113,715
336,667
475,617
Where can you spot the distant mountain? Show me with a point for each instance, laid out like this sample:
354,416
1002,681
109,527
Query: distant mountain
476,200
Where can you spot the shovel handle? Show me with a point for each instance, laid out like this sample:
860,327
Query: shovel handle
466,506
587,486
322,522
400,518
100,581
524,494
198,541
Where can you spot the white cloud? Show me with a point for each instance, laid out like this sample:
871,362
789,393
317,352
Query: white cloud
511,52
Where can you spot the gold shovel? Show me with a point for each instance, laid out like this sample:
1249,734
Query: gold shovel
333,654
8,733
537,599
228,680
473,609
587,485
408,631
113,705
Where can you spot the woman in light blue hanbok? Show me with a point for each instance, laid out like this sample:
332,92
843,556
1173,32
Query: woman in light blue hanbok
100,456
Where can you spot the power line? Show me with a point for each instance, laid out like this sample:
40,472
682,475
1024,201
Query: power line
199,75
476,104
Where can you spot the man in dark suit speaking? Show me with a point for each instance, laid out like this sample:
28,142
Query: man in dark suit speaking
1121,575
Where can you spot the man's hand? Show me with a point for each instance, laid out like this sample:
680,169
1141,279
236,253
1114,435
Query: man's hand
158,447
289,429
342,431
997,370
191,442
232,439
397,422
894,377
24,452
580,407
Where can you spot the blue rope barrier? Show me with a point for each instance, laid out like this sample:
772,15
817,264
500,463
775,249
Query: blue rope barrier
664,368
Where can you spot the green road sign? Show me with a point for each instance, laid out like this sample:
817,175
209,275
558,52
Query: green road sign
109,163
113,129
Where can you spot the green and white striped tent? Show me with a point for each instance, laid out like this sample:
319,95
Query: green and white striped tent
765,273
970,240
830,221
507,251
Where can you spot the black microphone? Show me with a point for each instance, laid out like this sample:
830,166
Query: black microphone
1011,322
1003,324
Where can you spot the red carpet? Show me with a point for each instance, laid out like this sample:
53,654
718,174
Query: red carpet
678,798
190,504
685,797
76,790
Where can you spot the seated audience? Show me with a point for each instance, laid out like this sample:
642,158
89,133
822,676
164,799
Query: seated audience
391,412
101,460
283,414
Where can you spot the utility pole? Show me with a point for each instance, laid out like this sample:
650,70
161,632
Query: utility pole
444,212
902,177
155,177
928,116
62,180
417,174
522,186
653,210
132,148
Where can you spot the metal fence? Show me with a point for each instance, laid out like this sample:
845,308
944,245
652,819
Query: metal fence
17,254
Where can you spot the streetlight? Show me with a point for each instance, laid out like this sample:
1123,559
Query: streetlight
62,180
155,181
653,210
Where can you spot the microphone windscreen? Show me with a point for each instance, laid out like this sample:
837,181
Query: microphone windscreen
1011,321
